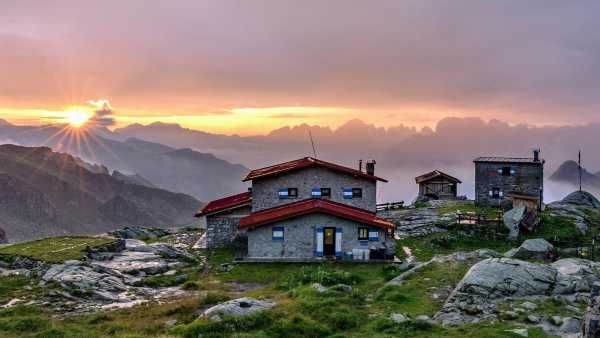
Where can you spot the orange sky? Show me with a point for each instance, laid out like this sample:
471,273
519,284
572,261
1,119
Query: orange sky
233,66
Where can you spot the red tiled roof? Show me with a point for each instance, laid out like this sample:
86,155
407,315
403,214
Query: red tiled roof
305,163
226,203
434,174
310,206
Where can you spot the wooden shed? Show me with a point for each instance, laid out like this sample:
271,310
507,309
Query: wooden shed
437,185
529,201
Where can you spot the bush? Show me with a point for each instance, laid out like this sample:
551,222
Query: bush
392,293
25,324
309,275
190,285
215,298
224,328
298,327
388,326
390,271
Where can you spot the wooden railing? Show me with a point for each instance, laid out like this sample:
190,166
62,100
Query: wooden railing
390,206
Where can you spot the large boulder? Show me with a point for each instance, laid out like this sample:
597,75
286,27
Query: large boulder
582,198
237,308
494,279
512,219
531,248
164,250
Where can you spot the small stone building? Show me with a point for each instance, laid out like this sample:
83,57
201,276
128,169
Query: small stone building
437,185
495,177
222,218
310,209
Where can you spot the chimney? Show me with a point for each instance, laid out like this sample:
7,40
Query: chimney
536,155
360,162
371,167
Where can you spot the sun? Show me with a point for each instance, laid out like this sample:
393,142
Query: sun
77,118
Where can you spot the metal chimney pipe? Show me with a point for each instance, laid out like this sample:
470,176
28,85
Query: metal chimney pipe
371,167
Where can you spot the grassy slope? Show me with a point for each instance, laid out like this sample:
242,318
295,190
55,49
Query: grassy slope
54,249
301,311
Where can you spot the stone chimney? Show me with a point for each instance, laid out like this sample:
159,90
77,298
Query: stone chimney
536,155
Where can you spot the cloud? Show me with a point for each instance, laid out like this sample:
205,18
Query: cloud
103,115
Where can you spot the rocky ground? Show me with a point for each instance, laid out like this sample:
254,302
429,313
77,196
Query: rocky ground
115,275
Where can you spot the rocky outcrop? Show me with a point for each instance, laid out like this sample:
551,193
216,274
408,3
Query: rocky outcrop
582,198
537,248
574,206
591,321
422,221
493,280
237,308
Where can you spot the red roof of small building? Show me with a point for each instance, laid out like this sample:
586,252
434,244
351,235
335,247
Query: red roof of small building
225,203
306,162
435,174
310,206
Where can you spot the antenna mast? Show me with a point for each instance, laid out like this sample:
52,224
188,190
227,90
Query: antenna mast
579,163
312,142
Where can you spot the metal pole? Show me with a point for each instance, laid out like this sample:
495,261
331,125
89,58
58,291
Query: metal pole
579,165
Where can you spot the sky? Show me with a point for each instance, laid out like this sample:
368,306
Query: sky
247,67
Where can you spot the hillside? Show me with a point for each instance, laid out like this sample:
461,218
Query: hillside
45,193
201,175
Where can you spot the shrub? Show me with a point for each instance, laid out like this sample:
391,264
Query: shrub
190,285
390,271
298,327
224,328
24,324
388,326
309,275
214,298
392,293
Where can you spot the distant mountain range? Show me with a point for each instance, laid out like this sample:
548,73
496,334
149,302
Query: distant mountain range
568,172
44,193
199,174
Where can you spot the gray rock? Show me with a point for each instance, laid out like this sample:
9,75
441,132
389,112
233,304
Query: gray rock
398,318
320,288
582,198
132,262
139,233
342,288
556,320
570,325
165,251
423,318
531,248
533,319
238,308
529,306
512,219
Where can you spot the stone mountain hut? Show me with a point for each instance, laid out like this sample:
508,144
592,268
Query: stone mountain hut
304,210
499,180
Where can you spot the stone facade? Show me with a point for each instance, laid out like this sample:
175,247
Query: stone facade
300,242
500,178
265,191
222,227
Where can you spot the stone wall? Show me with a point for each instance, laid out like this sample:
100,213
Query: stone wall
265,191
528,178
300,237
222,228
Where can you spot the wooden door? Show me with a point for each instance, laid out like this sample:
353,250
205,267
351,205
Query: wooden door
329,241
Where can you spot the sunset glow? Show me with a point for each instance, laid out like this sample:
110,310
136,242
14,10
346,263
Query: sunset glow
77,118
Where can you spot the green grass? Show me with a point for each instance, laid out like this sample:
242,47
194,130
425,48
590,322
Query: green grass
11,287
54,249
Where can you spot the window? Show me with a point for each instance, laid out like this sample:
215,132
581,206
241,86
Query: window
506,171
278,233
495,193
363,233
288,193
350,193
321,192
